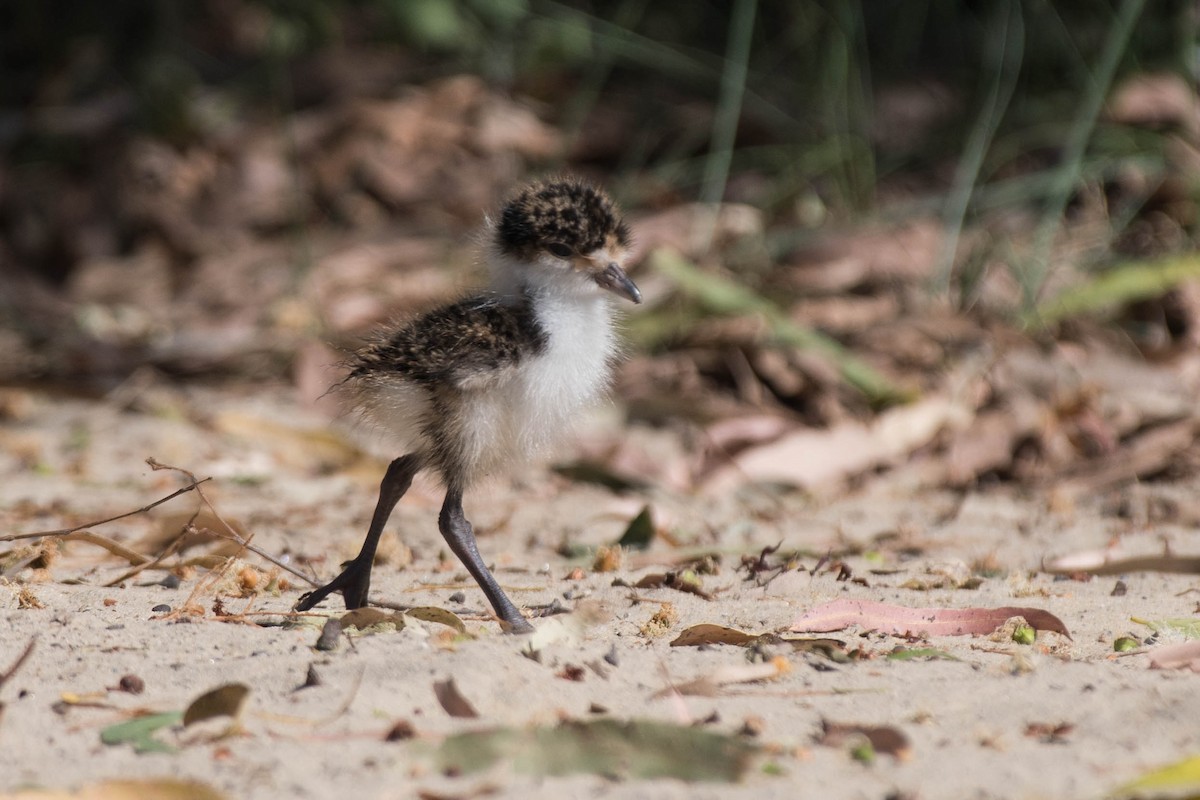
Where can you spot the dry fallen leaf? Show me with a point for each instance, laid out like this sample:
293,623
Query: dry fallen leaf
435,614
224,701
372,620
452,700
883,738
900,620
685,581
707,633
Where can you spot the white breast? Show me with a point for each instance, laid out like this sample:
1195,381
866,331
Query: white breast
572,372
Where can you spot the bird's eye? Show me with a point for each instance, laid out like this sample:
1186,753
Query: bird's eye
559,250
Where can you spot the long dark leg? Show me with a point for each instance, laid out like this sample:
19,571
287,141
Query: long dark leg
355,580
458,534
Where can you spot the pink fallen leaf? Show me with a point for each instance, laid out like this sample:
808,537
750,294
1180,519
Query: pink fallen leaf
839,614
814,458
1185,655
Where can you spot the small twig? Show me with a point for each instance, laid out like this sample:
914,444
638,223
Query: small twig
637,599
230,533
21,659
116,548
195,484
391,605
169,550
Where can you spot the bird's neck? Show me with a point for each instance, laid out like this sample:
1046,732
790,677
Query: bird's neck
514,281
507,277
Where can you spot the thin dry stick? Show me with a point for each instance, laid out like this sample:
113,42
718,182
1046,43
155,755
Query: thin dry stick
21,659
210,579
116,548
13,537
230,533
145,562
150,563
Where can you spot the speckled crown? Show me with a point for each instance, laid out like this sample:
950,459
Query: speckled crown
564,211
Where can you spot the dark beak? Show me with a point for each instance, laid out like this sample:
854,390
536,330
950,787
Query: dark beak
616,281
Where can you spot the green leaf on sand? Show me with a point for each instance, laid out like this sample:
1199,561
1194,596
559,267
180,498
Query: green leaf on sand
140,732
640,532
1188,627
636,749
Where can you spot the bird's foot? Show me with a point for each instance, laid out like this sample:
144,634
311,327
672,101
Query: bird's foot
354,583
518,625
511,620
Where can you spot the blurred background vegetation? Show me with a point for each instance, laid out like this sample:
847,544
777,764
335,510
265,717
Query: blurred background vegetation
819,114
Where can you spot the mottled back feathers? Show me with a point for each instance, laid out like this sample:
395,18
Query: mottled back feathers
457,345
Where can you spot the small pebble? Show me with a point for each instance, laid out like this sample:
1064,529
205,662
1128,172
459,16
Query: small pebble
611,655
328,640
401,731
311,678
161,608
572,672
132,684
171,581
753,725
555,606
457,597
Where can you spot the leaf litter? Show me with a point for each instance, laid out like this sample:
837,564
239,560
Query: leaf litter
1030,413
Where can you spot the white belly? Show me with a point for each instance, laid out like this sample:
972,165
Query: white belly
572,372
529,408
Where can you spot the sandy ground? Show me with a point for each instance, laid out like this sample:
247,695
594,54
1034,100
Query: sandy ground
968,721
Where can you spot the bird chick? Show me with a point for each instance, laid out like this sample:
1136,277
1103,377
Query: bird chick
472,388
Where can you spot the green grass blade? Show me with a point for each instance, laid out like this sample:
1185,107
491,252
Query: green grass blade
1135,281
720,296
